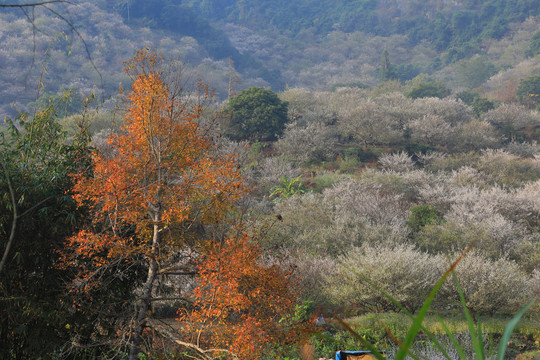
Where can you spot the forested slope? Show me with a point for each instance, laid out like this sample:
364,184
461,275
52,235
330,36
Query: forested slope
271,43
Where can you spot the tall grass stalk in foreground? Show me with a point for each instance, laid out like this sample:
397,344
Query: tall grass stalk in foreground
475,330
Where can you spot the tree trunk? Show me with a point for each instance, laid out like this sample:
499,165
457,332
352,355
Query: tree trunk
143,304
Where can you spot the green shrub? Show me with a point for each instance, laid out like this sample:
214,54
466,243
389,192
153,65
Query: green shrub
439,238
256,114
422,215
288,188
502,168
349,164
434,88
528,92
534,47
326,179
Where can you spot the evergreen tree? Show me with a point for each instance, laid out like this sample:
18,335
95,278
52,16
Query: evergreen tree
387,71
256,114
528,92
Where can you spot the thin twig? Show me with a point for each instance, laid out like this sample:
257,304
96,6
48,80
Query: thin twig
20,6
14,222
45,4
80,37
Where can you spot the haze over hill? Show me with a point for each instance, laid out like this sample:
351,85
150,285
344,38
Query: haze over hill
304,43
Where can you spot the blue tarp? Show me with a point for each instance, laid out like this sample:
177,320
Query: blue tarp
342,355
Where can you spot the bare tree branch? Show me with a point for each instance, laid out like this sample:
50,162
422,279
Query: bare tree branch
80,37
16,216
35,206
45,5
173,298
14,222
179,273
204,354
34,4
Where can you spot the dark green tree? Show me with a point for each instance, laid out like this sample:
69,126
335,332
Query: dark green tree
467,96
534,47
422,215
39,317
482,105
36,214
435,88
404,72
528,92
256,114
479,104
474,72
387,70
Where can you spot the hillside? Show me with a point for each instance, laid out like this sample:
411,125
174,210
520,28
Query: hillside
276,44
355,160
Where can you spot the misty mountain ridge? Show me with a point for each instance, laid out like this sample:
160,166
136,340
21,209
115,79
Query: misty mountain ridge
274,44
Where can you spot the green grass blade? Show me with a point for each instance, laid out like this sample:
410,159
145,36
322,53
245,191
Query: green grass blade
364,342
509,329
491,353
455,343
478,348
417,323
395,302
481,344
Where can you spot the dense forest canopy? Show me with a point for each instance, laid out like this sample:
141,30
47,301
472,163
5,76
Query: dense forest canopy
457,26
304,43
447,24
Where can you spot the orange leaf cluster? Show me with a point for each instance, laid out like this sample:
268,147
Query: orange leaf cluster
239,300
158,174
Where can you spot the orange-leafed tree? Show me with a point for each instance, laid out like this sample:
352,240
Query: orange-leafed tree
241,303
152,189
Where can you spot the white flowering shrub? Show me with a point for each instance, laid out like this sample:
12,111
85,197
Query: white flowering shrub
345,215
398,162
498,219
397,107
512,118
475,135
500,167
428,158
311,134
405,183
347,98
452,111
428,350
432,130
305,106
359,200
467,176
308,224
492,285
444,238
527,255
311,272
269,171
313,141
523,149
400,270
368,123
226,146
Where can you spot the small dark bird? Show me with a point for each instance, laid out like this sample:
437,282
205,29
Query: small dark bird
279,217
